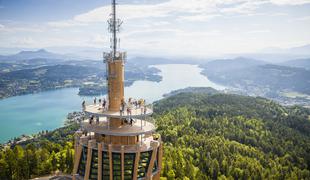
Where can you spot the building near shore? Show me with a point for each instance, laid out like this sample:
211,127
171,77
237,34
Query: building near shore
118,140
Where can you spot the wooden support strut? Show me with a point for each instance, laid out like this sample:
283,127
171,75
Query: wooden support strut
89,159
160,156
154,145
77,158
122,162
100,147
110,160
136,165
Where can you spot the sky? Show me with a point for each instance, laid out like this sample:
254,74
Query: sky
157,27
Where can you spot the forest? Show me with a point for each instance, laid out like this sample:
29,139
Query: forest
206,136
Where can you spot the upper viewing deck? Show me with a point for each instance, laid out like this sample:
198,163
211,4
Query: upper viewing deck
128,111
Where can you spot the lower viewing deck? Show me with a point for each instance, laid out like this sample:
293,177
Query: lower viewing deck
145,144
130,127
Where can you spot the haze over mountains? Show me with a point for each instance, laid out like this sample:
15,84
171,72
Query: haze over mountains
272,76
271,55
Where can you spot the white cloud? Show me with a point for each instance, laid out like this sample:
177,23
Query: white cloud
173,26
195,10
64,24
202,18
259,31
190,10
15,29
23,42
290,2
305,18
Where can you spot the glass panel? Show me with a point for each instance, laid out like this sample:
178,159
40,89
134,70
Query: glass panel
129,162
105,166
116,164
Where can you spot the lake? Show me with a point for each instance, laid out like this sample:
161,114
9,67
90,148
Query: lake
32,113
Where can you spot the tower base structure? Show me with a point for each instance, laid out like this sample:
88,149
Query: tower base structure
97,160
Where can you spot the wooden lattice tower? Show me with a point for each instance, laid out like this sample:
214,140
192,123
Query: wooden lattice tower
118,141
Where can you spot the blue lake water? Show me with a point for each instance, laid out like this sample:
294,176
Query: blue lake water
32,113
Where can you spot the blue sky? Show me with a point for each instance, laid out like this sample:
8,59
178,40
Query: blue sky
158,27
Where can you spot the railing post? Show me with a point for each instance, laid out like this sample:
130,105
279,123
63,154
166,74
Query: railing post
110,161
122,162
100,147
136,165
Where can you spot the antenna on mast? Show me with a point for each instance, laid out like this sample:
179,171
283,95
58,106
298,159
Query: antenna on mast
114,27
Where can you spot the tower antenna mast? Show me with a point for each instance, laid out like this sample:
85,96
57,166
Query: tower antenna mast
114,27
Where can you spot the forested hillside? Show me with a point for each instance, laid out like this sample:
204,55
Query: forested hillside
206,136
231,136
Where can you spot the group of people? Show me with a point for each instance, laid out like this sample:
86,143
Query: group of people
132,103
102,102
92,119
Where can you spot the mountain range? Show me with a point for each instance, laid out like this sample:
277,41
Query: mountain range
271,54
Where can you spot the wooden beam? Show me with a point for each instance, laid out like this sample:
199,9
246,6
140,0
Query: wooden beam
89,159
136,165
110,160
100,145
77,158
154,145
122,162
160,156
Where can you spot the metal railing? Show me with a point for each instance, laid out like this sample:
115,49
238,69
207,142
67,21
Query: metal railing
127,111
145,124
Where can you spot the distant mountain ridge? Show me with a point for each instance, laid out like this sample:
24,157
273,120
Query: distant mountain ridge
305,49
39,54
277,55
232,64
301,63
259,78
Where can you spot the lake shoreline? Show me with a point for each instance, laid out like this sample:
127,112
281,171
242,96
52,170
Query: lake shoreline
32,113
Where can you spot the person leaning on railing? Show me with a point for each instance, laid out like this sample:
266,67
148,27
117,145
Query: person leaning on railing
84,105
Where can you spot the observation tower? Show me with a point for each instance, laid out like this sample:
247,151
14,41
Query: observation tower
118,140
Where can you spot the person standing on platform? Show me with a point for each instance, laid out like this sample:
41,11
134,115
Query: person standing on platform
104,104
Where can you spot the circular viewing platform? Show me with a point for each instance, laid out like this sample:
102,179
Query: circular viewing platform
98,110
136,127
142,146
